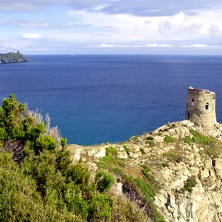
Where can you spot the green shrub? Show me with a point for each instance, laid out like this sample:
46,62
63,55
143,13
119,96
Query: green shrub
173,157
45,143
169,139
110,151
63,142
198,137
107,161
165,164
79,175
117,171
127,149
150,143
10,117
46,186
149,138
190,183
146,173
100,208
157,215
142,151
145,167
19,198
124,210
134,138
104,181
63,160
74,200
212,147
212,151
188,140
171,126
149,193
146,189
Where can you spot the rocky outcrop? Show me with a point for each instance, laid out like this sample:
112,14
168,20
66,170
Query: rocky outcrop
186,165
12,57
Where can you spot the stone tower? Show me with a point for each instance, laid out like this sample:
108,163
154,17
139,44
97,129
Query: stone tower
201,108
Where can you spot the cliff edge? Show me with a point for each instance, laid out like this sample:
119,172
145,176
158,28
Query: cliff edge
13,57
177,168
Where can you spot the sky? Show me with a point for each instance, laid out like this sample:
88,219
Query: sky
191,27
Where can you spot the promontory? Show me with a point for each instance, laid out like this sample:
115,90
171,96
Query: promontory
13,57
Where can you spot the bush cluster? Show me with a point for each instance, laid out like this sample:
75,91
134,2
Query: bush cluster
42,184
38,181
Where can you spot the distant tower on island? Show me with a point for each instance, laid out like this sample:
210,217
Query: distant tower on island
201,109
16,51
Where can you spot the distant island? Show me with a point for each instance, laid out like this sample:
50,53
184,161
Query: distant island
13,57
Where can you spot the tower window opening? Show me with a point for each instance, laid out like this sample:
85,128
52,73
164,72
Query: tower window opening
192,102
188,116
207,106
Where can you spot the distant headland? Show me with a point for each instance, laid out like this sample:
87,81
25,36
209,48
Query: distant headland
13,57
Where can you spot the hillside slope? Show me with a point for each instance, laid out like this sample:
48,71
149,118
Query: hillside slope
39,182
177,169
171,174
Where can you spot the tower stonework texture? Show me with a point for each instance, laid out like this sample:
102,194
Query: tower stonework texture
201,108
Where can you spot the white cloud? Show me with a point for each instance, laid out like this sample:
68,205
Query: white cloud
32,36
104,45
128,27
200,24
200,46
155,45
179,26
142,7
100,7
195,46
213,30
138,26
119,27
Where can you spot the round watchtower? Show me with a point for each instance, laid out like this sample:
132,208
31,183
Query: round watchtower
201,108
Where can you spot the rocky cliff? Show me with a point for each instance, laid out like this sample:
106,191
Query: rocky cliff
12,57
178,171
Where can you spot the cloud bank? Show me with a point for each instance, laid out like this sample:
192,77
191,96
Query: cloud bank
82,26
31,36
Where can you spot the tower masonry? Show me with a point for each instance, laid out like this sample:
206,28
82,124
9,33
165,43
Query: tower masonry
201,108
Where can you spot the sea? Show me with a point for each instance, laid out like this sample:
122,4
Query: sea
109,98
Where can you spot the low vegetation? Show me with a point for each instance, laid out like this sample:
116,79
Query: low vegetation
38,181
171,125
172,157
140,191
188,140
169,139
211,146
128,150
190,184
149,141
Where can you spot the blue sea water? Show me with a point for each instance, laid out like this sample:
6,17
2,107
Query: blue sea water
109,98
